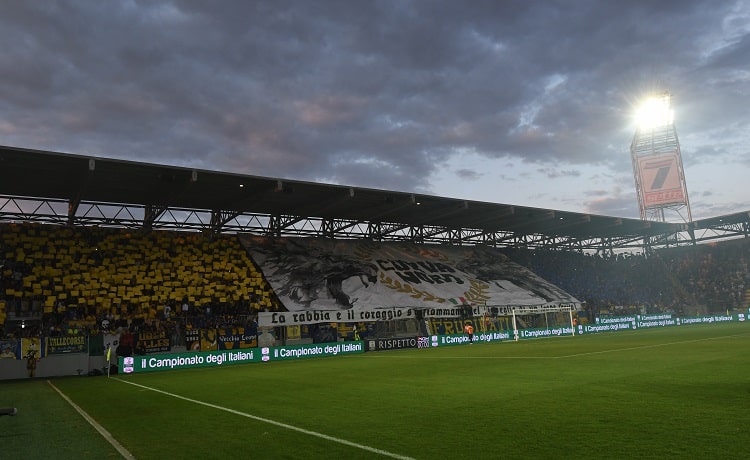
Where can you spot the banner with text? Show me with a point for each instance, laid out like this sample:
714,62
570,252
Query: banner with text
237,337
463,339
154,342
480,313
316,350
67,344
538,333
172,361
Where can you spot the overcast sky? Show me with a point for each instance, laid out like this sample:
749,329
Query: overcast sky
518,102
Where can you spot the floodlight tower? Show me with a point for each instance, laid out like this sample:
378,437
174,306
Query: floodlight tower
657,162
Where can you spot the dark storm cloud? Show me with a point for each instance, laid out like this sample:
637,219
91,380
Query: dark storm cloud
367,93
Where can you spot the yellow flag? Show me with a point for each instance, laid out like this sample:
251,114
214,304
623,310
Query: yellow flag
109,352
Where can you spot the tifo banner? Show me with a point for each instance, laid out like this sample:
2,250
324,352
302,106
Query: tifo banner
323,274
67,344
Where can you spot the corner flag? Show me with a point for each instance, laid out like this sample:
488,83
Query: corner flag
109,354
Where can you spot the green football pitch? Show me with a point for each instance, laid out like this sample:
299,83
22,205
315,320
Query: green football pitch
679,392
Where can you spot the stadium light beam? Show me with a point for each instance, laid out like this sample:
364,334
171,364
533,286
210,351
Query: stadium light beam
654,112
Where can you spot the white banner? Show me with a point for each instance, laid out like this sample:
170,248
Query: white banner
111,341
360,314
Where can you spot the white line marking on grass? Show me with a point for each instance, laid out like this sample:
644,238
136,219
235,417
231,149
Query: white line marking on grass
274,422
650,346
105,434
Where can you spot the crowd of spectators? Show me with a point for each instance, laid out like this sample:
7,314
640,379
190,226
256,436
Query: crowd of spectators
114,279
57,280
684,280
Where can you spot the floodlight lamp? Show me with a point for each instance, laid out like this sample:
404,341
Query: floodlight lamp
654,112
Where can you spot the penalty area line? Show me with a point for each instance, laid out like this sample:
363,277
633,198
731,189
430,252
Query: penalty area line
384,453
105,434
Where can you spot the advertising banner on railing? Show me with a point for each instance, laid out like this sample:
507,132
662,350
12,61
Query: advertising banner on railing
160,362
616,323
393,343
551,332
614,319
608,326
316,350
463,339
709,319
172,361
656,320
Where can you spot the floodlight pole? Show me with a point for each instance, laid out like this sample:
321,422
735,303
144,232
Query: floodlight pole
657,167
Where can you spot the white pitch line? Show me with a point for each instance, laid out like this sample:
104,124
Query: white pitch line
384,453
105,434
650,346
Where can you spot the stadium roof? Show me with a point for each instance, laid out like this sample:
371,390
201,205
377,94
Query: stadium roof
77,179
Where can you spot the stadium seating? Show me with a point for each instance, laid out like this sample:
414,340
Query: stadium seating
80,274
71,277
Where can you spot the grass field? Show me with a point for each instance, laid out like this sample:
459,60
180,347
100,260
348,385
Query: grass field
680,392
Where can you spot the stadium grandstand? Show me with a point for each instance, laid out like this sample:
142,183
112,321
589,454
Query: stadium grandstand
102,256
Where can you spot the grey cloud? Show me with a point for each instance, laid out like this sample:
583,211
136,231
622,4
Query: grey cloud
366,93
